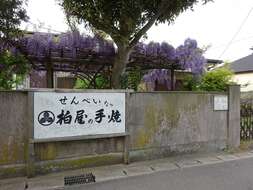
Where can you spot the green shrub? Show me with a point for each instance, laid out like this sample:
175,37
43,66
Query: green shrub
131,79
101,83
13,69
190,83
216,80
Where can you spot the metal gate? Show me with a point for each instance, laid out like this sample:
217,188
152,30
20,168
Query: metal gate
246,121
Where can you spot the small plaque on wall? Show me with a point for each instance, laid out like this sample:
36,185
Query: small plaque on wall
220,103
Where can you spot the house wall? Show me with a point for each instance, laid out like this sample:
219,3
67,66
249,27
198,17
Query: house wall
245,80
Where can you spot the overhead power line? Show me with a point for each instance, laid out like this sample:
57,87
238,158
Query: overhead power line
43,27
235,41
236,33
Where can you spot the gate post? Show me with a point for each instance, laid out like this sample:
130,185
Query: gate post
233,132
30,167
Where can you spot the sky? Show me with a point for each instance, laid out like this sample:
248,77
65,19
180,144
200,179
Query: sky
214,25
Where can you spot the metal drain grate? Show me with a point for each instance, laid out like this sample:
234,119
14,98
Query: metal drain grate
79,179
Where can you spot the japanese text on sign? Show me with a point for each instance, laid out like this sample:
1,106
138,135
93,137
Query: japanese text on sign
75,114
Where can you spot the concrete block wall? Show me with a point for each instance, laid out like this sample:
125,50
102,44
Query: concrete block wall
175,122
13,127
159,124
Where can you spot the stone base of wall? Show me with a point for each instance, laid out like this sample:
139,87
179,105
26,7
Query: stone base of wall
45,167
162,152
12,170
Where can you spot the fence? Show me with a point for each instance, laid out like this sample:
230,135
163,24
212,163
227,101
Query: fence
246,119
158,124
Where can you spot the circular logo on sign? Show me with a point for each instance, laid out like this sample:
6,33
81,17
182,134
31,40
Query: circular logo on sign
46,118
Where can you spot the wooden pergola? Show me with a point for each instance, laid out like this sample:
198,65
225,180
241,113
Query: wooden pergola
88,62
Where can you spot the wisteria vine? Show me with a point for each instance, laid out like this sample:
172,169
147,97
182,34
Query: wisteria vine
188,56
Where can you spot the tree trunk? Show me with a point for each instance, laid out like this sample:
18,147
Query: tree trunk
119,65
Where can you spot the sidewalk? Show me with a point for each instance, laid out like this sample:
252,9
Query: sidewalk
104,173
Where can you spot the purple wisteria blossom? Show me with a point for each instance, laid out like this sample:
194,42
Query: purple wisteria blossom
189,56
154,49
161,76
41,44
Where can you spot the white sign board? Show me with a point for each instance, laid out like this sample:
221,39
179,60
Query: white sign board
75,114
220,102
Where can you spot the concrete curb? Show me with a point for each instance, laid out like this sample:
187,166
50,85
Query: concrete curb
115,172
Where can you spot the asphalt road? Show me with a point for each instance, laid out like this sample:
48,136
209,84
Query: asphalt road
232,175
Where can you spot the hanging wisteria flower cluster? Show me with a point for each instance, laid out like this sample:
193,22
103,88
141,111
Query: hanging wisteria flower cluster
154,49
189,56
41,44
160,76
38,44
